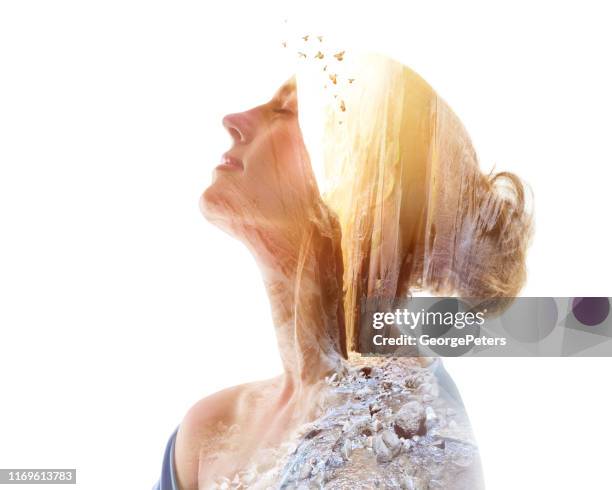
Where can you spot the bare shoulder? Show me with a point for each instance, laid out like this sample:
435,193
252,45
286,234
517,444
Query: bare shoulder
203,421
206,422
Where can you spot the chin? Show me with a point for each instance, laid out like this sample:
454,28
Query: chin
214,208
209,203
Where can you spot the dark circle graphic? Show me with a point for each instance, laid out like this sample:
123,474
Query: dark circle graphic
530,320
450,305
591,311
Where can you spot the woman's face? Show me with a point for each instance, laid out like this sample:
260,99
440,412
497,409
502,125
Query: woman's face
264,181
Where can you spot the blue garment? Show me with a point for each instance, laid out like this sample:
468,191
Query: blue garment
448,391
168,476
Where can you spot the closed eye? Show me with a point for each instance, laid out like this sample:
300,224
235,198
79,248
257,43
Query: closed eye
283,110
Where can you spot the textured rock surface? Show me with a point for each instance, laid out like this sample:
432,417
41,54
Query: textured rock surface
383,424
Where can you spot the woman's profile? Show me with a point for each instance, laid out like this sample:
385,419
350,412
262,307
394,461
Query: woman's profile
403,207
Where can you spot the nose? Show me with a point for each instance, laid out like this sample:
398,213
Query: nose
237,126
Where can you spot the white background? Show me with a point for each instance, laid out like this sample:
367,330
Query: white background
120,306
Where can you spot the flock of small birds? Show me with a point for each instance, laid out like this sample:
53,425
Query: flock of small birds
320,55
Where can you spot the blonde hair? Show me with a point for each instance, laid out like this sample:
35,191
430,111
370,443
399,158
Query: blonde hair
415,210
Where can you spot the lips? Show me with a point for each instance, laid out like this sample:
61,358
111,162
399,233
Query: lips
229,162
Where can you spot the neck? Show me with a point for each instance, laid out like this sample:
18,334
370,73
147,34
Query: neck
305,292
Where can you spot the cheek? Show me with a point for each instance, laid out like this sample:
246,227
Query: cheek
296,171
273,187
281,161
290,147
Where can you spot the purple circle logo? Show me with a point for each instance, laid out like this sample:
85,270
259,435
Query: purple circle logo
591,311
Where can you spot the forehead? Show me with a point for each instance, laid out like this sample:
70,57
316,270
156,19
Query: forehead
287,90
